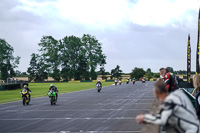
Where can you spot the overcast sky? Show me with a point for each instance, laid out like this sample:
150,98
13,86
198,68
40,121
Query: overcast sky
133,33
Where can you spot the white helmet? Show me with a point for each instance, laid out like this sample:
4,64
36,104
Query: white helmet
98,80
51,85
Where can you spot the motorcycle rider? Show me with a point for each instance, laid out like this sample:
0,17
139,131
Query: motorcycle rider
133,80
116,81
120,81
28,90
52,87
99,82
127,81
169,80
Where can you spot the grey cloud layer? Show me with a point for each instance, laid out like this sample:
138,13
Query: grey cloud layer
128,45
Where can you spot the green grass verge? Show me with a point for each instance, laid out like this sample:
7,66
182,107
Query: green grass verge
41,89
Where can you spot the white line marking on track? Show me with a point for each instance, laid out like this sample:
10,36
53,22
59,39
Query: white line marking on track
103,131
89,110
68,118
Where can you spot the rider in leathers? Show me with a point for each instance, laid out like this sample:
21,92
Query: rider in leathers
55,89
177,111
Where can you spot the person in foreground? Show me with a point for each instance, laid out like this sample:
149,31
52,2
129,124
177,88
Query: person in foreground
176,111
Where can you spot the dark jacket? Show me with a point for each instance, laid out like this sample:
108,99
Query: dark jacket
198,105
53,88
99,83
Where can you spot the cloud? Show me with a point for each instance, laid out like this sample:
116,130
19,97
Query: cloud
139,33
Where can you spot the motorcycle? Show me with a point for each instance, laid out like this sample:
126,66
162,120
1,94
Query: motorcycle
25,97
127,82
52,97
120,82
98,87
133,81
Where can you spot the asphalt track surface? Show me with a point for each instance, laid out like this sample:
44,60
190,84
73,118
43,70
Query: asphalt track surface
113,110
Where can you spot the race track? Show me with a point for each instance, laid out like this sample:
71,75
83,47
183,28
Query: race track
113,110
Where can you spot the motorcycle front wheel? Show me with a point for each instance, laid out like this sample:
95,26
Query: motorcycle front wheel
24,100
52,100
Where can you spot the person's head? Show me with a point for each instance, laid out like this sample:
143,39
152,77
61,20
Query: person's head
167,70
98,80
160,89
162,72
196,81
51,85
25,86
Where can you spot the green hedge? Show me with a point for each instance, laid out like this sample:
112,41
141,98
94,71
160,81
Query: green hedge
86,81
10,87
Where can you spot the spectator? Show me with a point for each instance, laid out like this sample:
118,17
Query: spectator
196,93
169,80
176,111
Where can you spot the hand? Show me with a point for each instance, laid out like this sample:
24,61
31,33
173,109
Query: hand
140,118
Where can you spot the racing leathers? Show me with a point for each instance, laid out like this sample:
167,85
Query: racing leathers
28,90
98,82
177,111
55,90
171,82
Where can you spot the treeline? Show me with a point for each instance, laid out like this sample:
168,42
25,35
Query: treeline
136,73
70,57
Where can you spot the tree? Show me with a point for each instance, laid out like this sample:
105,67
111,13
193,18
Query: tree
18,73
156,75
137,73
37,70
103,72
94,53
148,74
74,61
7,61
50,50
116,72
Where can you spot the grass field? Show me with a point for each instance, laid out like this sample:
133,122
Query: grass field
41,89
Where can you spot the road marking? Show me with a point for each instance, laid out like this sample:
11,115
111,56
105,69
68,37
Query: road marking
68,118
103,131
89,110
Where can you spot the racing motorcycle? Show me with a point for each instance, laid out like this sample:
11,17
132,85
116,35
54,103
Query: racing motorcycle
133,81
52,97
25,97
98,87
127,82
120,82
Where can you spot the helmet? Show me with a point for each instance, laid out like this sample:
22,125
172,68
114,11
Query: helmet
98,80
25,86
51,85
